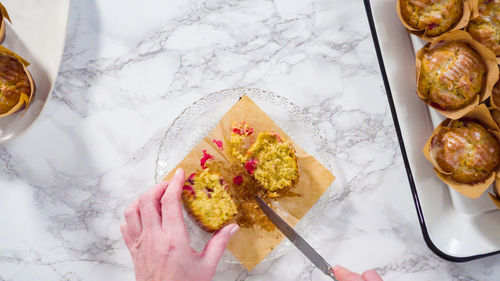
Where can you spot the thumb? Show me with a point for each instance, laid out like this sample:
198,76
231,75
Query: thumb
215,247
343,274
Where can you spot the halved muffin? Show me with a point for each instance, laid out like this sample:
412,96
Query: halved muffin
16,85
206,197
452,74
272,162
431,17
486,27
466,151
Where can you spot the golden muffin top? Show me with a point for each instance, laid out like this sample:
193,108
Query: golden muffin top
486,27
13,82
466,150
452,74
435,17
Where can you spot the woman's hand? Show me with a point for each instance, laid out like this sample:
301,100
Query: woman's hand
158,241
343,274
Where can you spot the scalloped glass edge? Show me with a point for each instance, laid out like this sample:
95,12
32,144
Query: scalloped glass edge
163,159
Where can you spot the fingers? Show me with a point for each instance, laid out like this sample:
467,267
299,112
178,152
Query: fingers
150,207
371,275
126,235
171,209
215,247
133,220
343,274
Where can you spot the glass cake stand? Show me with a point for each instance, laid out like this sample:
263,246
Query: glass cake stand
197,120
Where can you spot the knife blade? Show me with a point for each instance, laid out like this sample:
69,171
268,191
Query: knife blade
296,239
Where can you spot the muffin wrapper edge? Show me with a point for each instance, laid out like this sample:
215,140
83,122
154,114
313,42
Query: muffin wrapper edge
492,97
3,15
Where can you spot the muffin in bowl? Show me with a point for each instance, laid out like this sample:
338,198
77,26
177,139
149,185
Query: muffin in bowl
486,27
452,74
431,18
466,151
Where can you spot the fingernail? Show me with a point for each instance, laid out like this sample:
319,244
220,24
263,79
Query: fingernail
233,231
179,170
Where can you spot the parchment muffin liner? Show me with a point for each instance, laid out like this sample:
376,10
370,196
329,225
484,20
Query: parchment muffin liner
24,100
483,116
470,10
495,95
495,196
486,54
3,15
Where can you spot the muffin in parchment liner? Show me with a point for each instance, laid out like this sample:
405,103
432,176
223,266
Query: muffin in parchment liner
485,27
17,87
4,15
495,95
465,153
455,73
428,19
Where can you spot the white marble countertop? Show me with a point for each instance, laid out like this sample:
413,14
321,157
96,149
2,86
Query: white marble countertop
130,67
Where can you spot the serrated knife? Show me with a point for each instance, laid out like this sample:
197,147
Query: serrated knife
296,239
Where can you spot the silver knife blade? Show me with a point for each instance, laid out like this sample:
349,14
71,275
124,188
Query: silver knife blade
296,239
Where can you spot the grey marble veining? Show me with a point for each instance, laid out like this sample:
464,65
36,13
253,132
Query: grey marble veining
130,67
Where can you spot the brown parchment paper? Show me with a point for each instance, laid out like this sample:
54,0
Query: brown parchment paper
495,95
486,54
473,191
495,196
251,245
496,200
24,100
470,10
